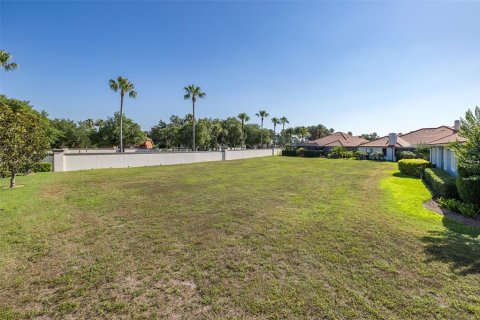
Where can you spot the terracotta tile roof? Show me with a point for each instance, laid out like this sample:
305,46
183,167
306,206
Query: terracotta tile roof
337,139
411,139
448,139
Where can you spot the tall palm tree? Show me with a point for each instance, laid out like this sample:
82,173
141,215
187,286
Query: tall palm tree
244,118
4,61
125,87
262,114
275,121
192,92
289,132
283,120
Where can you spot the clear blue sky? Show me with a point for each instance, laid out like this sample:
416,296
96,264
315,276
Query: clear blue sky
361,67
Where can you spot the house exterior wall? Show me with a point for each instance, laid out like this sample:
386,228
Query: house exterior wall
444,158
370,149
390,154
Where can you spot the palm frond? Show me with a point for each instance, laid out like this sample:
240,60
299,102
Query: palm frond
11,66
132,94
113,85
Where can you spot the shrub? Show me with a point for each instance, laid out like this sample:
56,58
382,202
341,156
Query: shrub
468,186
42,167
407,155
466,209
300,151
413,167
361,155
441,183
337,152
312,153
290,153
347,154
377,156
422,151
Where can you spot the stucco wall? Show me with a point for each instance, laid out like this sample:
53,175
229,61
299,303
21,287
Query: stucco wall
371,149
444,158
83,161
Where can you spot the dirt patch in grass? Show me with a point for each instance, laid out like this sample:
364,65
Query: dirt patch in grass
435,207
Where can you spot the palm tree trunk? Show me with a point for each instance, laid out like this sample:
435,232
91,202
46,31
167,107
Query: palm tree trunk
274,134
243,135
261,136
193,112
121,123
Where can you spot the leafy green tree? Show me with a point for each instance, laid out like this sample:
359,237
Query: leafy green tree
318,131
253,134
25,137
370,136
243,118
108,133
275,121
157,134
233,132
217,134
468,154
289,132
262,114
302,133
5,62
193,93
72,134
284,120
125,87
203,134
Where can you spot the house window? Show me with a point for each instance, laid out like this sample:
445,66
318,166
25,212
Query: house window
369,150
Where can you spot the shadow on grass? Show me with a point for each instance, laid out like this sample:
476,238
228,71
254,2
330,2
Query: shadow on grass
401,175
459,246
460,249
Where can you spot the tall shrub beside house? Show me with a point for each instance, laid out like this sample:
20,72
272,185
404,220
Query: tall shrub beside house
468,154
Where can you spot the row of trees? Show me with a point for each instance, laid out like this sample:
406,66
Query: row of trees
210,134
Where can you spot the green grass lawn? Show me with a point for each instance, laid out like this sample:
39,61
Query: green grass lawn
278,237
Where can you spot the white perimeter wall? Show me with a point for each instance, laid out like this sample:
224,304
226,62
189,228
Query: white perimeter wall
64,161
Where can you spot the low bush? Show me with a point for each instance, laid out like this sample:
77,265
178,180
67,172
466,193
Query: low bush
361,155
413,167
42,167
378,156
466,209
407,155
289,153
300,151
312,153
441,183
347,154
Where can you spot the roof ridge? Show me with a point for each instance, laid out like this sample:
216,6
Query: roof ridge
443,126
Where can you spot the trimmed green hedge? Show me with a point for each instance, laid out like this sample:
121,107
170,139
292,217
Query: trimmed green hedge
290,153
466,209
42,167
441,183
312,153
469,189
413,167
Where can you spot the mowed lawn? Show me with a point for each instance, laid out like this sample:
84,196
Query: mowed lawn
265,238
